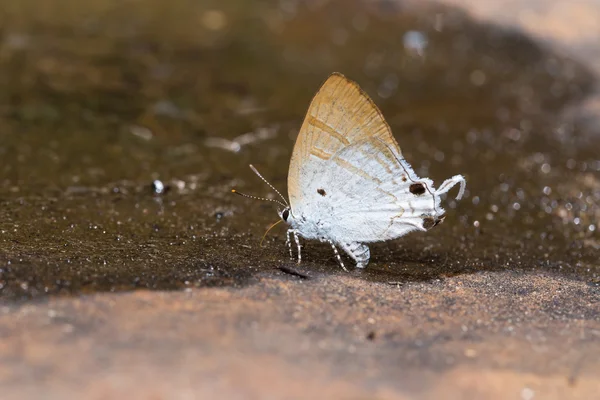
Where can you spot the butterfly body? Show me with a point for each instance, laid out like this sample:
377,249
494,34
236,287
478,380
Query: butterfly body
382,208
348,183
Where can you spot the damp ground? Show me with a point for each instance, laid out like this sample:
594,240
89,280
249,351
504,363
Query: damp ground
124,256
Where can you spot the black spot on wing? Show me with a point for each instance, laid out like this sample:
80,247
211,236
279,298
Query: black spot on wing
429,222
417,189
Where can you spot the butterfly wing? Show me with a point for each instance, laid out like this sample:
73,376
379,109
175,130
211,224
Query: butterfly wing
372,194
339,115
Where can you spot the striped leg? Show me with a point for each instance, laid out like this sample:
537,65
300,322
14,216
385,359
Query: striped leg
288,242
295,233
337,255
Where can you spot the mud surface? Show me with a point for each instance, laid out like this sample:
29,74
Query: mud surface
103,102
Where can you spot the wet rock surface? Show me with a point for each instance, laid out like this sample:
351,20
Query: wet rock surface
125,258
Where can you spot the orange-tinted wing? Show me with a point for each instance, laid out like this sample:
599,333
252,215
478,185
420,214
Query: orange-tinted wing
340,114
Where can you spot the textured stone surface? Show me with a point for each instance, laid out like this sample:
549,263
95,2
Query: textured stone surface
493,335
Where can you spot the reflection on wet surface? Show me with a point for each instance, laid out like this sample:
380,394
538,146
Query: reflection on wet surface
100,102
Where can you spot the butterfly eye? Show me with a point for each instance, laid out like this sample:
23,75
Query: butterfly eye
285,214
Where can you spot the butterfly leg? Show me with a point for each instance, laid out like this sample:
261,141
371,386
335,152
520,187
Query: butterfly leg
288,242
359,252
337,255
297,240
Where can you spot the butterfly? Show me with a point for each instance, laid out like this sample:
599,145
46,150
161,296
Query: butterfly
348,183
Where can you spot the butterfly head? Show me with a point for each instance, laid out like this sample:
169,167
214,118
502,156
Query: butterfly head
286,215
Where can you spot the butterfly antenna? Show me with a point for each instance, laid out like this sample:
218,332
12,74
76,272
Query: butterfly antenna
258,198
267,182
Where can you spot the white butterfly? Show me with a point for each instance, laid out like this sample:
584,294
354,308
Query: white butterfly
348,183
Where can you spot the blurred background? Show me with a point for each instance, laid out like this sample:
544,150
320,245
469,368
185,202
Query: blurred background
124,125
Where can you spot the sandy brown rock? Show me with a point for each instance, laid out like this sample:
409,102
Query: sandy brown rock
470,336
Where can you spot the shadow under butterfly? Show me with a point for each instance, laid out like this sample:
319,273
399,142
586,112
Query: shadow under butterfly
348,184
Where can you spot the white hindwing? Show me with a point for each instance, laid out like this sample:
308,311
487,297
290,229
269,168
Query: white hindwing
363,194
